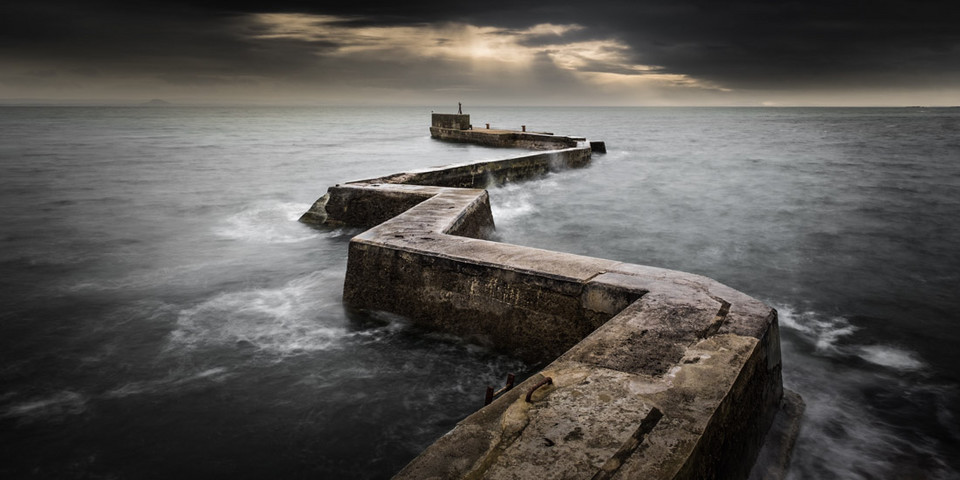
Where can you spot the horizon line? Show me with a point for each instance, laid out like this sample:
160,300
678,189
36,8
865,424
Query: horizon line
158,103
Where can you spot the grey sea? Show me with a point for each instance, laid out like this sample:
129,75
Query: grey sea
164,315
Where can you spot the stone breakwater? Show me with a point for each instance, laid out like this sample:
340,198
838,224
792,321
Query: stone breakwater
652,373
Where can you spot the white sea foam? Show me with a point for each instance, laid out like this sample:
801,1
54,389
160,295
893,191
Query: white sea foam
278,320
171,382
842,435
268,222
510,209
823,331
179,274
826,331
517,200
842,440
67,402
59,404
891,357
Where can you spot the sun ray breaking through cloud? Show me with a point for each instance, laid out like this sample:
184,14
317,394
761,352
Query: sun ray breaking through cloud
604,62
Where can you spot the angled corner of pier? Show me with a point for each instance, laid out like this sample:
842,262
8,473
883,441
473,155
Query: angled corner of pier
651,373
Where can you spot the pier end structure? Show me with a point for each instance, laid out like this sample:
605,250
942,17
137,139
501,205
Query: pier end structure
457,128
653,373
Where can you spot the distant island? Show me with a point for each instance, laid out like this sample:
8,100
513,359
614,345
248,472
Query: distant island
156,102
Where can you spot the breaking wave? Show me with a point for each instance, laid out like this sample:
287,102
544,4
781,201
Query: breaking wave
854,395
284,320
832,336
514,201
823,332
891,357
269,222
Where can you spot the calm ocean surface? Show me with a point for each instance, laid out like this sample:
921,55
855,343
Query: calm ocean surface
164,315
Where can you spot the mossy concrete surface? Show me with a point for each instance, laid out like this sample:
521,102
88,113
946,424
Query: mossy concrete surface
653,373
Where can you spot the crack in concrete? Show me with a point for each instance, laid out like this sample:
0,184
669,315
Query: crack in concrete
612,466
718,320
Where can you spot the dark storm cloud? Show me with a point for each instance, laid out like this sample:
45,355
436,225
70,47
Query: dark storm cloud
146,38
736,44
756,44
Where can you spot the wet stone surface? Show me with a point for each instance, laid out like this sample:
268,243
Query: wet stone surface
557,442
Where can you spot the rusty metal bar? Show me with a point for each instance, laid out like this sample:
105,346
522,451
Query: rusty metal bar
491,394
506,388
546,381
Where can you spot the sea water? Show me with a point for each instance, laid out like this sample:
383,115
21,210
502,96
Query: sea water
165,315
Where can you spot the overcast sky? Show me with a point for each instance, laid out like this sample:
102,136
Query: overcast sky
483,52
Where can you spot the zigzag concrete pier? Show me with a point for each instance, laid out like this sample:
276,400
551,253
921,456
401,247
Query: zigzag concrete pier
651,373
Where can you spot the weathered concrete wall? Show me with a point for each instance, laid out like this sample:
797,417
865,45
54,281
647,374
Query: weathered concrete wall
505,138
356,206
457,121
353,204
654,373
493,173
